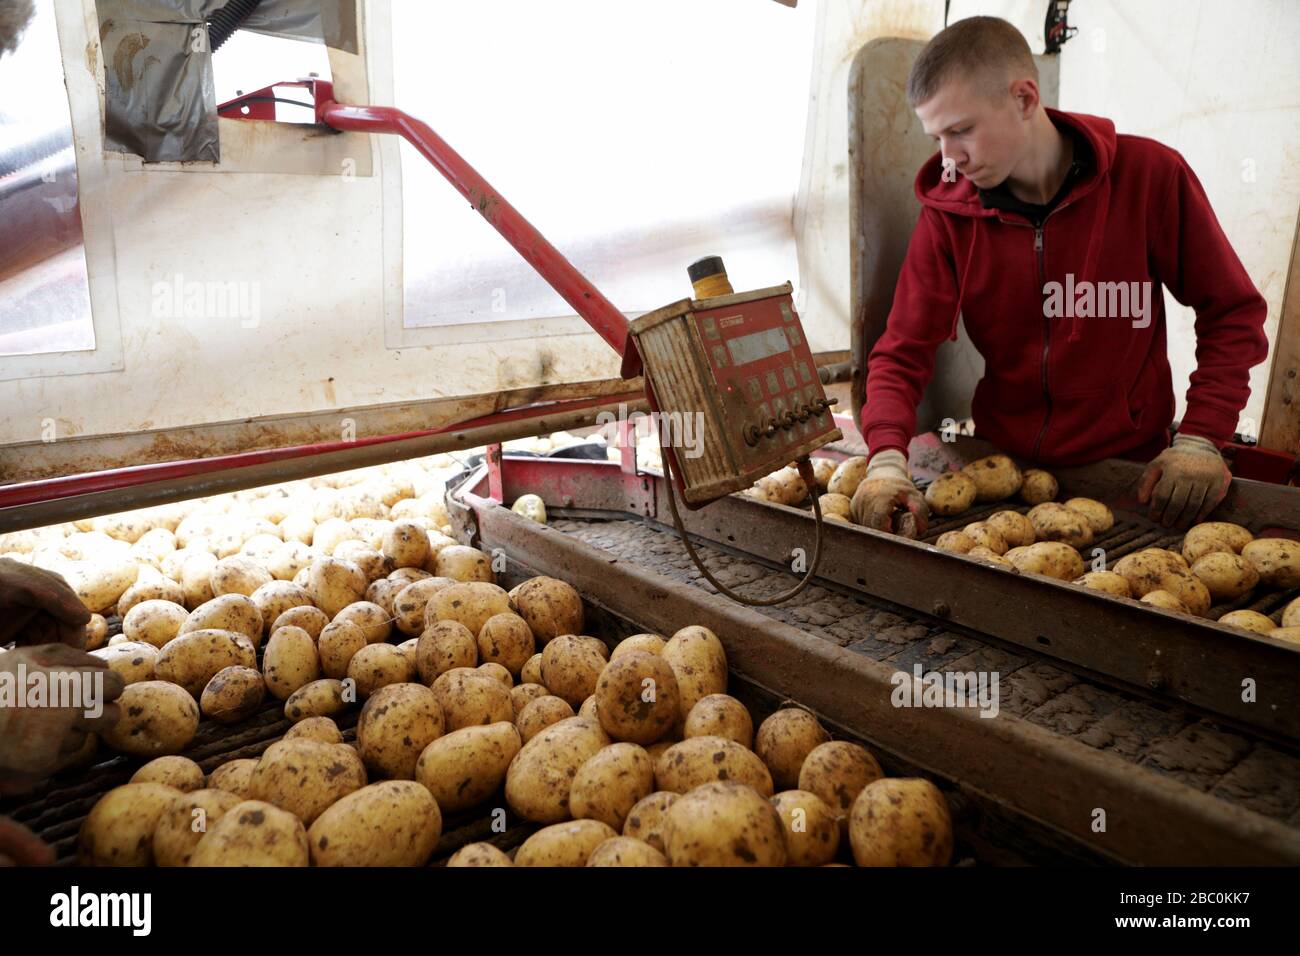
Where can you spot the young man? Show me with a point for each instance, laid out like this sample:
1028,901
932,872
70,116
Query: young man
1051,235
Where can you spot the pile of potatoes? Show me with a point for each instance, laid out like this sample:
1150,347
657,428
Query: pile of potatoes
1044,541
630,757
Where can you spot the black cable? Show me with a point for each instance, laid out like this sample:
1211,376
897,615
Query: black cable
268,99
226,21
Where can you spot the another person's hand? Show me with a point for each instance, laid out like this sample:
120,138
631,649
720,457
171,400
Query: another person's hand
1185,482
42,734
19,846
888,500
38,607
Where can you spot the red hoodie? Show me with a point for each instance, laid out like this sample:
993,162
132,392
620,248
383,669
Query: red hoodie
1071,390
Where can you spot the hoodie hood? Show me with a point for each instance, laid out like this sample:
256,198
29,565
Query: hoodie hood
961,197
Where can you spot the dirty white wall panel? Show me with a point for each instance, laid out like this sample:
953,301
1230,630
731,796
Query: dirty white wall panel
1214,80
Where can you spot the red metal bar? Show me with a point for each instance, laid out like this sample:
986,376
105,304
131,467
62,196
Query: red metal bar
571,284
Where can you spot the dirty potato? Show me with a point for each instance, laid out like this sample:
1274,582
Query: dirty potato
724,823
986,536
995,476
131,660
1249,621
1055,522
563,844
338,642
322,729
1052,559
1038,486
471,603
784,741
637,698
396,724
153,622
176,835
469,698
463,563
1099,517
391,823
571,666
157,718
444,645
699,663
308,617
549,606
306,776
699,760
1016,529
1164,600
378,665
1276,559
541,713
718,715
812,831
119,829
465,767
648,817
230,612
171,771
1107,581
649,643
410,607
479,854
253,833
901,821
626,851
540,776
847,475
955,542
505,639
335,583
1211,536
610,783
233,776
1227,576
951,493
320,698
837,771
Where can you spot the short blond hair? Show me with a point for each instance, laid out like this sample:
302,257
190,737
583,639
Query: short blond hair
987,50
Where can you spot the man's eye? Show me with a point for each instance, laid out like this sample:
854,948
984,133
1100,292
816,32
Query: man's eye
961,132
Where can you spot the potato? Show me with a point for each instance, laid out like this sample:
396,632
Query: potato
395,726
288,559
253,833
626,851
570,668
823,469
1145,570
338,643
835,505
505,639
276,597
1289,634
1016,529
951,493
233,693
783,742
649,643
699,663
119,829
531,673
1107,581
698,760
469,698
290,661
306,776
308,617
157,718
330,533
637,698
334,584
811,828
1050,558
521,695
155,589
1038,486
1054,522
718,715
99,585
238,575
1249,621
479,854
193,658
498,673
1291,614
987,556
901,821
185,822
1277,560
230,612
196,578
724,824
233,776
995,476
321,698
384,593
955,542
648,817
610,783
392,823
179,772
836,772
549,606
443,646
406,544
411,604
322,729
154,622
375,623
1227,576
96,632
378,665
563,844
465,767
785,487
462,563
1211,536
986,536
847,475
540,776
539,714
1099,517
471,603
1163,599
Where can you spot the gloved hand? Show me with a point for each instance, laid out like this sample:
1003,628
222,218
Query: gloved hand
38,607
1185,482
19,846
887,499
35,741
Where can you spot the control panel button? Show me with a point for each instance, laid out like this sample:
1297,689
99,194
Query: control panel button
787,313
710,326
755,390
719,356
773,386
792,333
787,373
805,375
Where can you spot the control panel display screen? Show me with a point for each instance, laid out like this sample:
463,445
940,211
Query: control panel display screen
757,345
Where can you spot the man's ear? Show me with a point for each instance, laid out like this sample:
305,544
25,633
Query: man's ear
1025,93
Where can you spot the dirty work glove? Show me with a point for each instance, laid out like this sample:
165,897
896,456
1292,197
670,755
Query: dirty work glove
19,846
887,500
1185,482
38,607
35,741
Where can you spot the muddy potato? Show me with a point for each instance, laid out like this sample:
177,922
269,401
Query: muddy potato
1289,634
571,666
1211,536
626,851
308,617
1145,569
443,646
539,778
549,606
155,589
156,718
378,665
699,760
648,817
1016,529
823,469
1227,576
276,597
986,536
563,844
469,698
1099,517
1249,621
96,632
465,767
995,476
196,578
588,708
409,575
837,771
1291,614
835,505
233,776
847,475
193,658
320,698
505,639
521,695
699,664
306,776
154,622
951,493
322,729
1165,600
330,533
955,542
1107,581
531,673
100,585
649,643
1038,486
901,821
479,854
253,833
233,693
1050,558
724,824
811,828
462,563
498,673
374,621
784,741
391,823
290,661
395,726
238,574
541,713
1055,522
183,825
288,559
406,544
718,715
334,584
338,643
374,566
384,593
610,783
472,603
119,829
410,607
172,771
531,507
989,557
230,612
1188,588
1276,559
785,487
637,698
